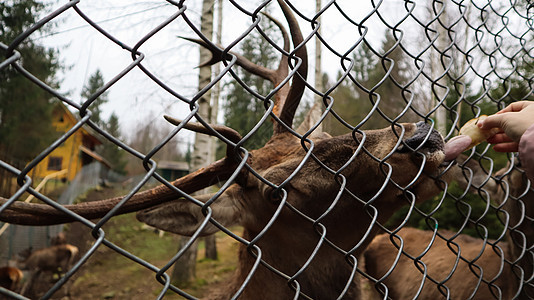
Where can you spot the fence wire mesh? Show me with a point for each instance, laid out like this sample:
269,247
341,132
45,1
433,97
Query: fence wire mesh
310,205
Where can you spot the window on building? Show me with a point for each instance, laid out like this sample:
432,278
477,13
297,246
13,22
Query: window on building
54,163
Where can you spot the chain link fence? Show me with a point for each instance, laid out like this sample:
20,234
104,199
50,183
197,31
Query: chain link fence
438,62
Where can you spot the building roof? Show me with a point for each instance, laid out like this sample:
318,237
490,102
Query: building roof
86,130
95,155
173,165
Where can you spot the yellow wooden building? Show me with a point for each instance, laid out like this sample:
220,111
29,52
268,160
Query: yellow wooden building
76,152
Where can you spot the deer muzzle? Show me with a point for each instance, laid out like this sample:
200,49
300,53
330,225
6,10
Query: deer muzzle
426,138
430,140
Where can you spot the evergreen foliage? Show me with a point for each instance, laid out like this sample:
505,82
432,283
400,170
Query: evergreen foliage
241,110
25,109
111,152
470,212
375,81
95,82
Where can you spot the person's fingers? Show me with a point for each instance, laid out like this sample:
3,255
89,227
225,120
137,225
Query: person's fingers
496,120
506,147
515,106
499,138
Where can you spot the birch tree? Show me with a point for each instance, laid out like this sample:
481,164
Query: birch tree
210,241
184,269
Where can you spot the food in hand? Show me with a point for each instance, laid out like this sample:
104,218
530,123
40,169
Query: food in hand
476,134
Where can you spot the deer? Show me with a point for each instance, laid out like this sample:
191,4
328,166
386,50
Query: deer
486,269
50,259
11,278
58,239
56,259
308,203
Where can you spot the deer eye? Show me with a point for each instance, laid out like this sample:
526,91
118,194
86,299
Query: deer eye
275,196
272,195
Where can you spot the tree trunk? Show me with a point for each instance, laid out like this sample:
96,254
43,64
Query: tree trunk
184,268
437,71
317,109
210,243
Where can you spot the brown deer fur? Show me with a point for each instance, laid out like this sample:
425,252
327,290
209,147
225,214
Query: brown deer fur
51,259
291,239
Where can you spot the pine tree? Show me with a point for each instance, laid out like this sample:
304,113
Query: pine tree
25,109
95,82
109,150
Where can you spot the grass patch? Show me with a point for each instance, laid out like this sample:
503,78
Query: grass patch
109,275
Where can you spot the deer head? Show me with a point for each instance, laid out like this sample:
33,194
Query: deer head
308,206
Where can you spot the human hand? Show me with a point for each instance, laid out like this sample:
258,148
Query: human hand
513,121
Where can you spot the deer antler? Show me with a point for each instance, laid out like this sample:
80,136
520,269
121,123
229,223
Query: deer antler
286,101
288,97
286,107
227,132
42,214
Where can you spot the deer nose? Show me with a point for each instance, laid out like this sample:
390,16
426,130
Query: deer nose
425,137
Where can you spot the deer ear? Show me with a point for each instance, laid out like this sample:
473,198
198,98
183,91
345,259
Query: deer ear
184,217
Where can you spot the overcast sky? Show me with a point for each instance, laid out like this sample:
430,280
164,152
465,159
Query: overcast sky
135,97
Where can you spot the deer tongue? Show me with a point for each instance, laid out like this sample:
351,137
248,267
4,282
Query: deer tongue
455,146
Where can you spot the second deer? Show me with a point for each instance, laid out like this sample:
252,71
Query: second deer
459,266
